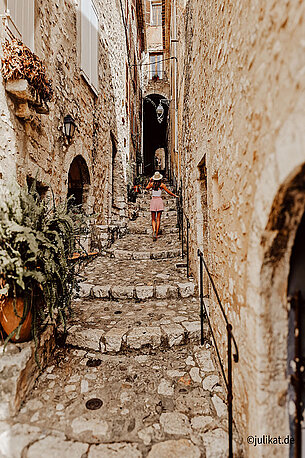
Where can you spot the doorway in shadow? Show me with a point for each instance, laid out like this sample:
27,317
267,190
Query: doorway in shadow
155,133
79,181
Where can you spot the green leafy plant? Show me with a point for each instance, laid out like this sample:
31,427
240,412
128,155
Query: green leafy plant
37,240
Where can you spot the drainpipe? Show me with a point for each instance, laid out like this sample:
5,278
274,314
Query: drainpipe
142,133
174,42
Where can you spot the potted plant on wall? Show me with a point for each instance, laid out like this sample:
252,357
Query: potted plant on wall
26,79
37,238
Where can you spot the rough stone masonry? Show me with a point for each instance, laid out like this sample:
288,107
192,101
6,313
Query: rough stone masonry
132,379
241,138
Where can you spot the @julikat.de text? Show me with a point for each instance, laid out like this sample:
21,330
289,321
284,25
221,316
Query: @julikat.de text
267,439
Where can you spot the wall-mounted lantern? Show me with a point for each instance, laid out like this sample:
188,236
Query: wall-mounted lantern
69,127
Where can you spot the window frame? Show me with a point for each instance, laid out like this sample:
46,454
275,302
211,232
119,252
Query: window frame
152,73
154,4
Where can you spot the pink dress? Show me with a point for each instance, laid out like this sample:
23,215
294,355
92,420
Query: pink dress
156,203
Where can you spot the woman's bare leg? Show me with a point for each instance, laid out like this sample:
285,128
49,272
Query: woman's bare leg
158,222
153,221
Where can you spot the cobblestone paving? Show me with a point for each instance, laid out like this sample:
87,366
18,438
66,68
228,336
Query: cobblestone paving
131,354
112,326
120,275
168,404
145,243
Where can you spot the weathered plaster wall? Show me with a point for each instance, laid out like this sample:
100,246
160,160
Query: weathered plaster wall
241,106
154,37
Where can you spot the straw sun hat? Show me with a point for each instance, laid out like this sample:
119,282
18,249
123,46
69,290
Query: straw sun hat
157,176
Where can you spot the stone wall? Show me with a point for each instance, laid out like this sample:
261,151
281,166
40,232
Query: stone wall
19,370
38,145
241,112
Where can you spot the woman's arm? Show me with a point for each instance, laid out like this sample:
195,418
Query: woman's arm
168,191
149,184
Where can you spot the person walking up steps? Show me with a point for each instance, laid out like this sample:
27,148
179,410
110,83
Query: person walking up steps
156,203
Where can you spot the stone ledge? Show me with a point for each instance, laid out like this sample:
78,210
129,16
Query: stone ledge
18,370
26,99
21,90
141,255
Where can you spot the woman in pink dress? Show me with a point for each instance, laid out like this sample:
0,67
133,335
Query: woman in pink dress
156,203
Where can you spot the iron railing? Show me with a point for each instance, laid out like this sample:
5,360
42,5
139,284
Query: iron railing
204,313
230,338
181,216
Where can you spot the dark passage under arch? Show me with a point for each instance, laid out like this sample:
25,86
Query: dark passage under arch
78,180
154,133
296,341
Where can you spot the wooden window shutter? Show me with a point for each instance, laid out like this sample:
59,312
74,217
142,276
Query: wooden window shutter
22,20
89,43
85,38
94,48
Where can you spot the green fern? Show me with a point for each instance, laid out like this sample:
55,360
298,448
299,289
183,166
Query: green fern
37,238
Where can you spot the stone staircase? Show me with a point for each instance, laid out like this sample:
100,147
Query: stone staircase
132,380
134,296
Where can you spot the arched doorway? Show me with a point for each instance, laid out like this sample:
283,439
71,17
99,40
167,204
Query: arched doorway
79,181
281,274
296,343
160,159
155,128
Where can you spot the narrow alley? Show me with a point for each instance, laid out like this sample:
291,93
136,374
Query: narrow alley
131,379
116,340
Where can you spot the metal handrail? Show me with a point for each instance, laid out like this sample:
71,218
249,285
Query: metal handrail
180,223
230,339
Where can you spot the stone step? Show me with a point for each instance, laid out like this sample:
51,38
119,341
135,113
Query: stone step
145,207
112,327
147,196
142,246
167,221
137,229
165,214
141,255
165,198
142,292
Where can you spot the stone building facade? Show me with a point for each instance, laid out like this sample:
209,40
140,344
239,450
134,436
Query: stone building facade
156,90
85,48
241,156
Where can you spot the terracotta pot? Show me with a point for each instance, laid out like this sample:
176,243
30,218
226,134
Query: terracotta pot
9,321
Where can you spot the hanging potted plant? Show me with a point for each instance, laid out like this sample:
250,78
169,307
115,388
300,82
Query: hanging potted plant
37,238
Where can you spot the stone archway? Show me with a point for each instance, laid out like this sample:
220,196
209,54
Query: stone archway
79,181
269,307
154,132
278,241
160,159
296,342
